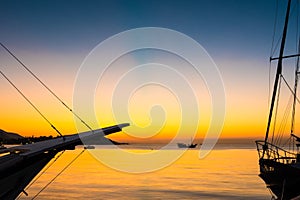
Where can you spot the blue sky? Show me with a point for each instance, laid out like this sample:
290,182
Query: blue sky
220,26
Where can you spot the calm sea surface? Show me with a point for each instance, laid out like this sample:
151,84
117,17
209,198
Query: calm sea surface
226,173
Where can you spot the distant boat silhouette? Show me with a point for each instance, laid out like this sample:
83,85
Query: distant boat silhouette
89,147
182,145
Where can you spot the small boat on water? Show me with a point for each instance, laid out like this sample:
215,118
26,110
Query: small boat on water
89,147
187,146
183,145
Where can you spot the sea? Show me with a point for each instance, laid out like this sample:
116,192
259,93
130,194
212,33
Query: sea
227,172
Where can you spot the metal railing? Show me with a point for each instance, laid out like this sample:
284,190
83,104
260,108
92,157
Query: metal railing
270,151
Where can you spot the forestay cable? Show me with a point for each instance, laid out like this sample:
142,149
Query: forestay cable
291,90
58,174
11,83
43,84
40,174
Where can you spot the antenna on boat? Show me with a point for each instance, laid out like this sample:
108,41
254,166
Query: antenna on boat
278,72
43,84
12,84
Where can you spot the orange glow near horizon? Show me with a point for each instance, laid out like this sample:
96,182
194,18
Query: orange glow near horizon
246,111
17,116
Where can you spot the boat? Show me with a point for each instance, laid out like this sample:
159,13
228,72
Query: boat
183,145
89,147
279,156
19,165
187,146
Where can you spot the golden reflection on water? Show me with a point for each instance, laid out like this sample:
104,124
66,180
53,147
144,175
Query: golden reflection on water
223,174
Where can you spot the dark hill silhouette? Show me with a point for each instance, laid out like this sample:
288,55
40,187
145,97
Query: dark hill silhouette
9,136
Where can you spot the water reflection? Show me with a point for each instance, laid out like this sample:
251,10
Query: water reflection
224,174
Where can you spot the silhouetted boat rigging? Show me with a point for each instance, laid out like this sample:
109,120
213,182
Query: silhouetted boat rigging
280,162
20,164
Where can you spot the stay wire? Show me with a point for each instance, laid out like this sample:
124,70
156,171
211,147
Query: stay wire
275,47
276,111
40,174
274,29
297,28
51,181
43,84
283,124
296,72
41,114
269,97
291,90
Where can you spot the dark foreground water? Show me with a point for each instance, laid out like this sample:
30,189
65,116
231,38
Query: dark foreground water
226,173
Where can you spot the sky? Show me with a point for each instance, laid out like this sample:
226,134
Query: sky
53,38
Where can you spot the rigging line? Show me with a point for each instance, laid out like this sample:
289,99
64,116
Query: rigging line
288,142
269,97
297,26
277,44
66,167
40,174
276,111
284,120
274,29
287,114
43,84
293,93
291,144
11,83
273,50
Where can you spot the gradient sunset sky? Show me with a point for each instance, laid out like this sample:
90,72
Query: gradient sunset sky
53,38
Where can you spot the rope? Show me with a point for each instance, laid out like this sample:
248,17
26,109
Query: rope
269,97
285,118
43,84
289,87
275,117
274,30
293,118
273,49
11,83
52,180
297,27
40,174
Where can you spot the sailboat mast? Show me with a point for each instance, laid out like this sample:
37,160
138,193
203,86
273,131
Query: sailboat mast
279,70
295,91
